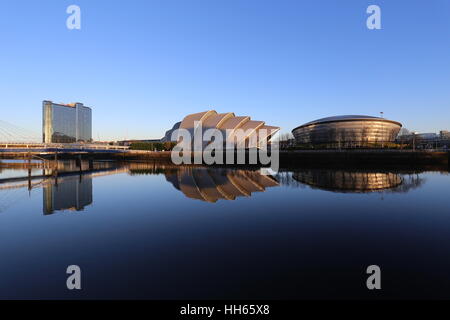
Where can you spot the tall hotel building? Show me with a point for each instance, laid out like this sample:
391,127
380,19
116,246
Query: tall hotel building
66,123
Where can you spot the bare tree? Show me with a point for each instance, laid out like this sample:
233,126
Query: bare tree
404,132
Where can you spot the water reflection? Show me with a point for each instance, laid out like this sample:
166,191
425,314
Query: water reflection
352,181
66,185
212,184
69,193
348,181
301,235
69,184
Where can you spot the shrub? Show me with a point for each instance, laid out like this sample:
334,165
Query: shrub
152,146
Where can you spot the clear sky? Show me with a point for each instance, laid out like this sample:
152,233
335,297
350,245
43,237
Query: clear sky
143,65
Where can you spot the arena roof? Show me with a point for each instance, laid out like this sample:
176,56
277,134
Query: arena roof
347,118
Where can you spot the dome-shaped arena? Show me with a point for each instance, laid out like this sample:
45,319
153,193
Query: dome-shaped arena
237,129
347,131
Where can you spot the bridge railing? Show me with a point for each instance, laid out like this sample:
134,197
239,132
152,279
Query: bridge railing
31,145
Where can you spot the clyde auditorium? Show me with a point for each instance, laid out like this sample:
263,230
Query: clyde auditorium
228,123
347,131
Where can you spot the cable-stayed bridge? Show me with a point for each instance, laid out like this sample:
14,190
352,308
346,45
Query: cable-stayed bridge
17,140
10,133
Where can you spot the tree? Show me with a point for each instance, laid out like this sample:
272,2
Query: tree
404,132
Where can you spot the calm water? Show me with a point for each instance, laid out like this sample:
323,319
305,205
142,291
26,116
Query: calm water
162,232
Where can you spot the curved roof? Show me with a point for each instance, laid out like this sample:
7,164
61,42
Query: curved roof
235,122
347,118
216,121
266,132
227,122
248,128
168,136
189,121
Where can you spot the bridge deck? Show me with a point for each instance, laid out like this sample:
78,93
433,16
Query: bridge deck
41,148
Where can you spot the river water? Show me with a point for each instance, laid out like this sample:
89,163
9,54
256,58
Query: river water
156,231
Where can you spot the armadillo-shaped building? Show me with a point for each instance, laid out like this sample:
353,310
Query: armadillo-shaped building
235,130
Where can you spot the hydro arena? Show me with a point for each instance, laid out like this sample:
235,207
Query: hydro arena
347,131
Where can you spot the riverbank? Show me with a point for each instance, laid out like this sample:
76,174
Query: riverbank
333,157
288,157
365,157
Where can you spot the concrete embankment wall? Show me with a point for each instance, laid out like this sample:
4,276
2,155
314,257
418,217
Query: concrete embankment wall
296,157
143,155
362,157
349,158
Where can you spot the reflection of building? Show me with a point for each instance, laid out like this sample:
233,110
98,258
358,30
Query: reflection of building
251,132
66,123
213,184
347,131
70,193
348,181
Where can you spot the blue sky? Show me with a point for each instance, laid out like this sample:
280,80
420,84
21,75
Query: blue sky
143,65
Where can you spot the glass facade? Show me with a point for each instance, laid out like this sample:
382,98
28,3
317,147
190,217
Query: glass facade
347,131
66,123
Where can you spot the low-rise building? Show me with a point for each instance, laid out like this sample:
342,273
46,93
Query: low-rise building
444,135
